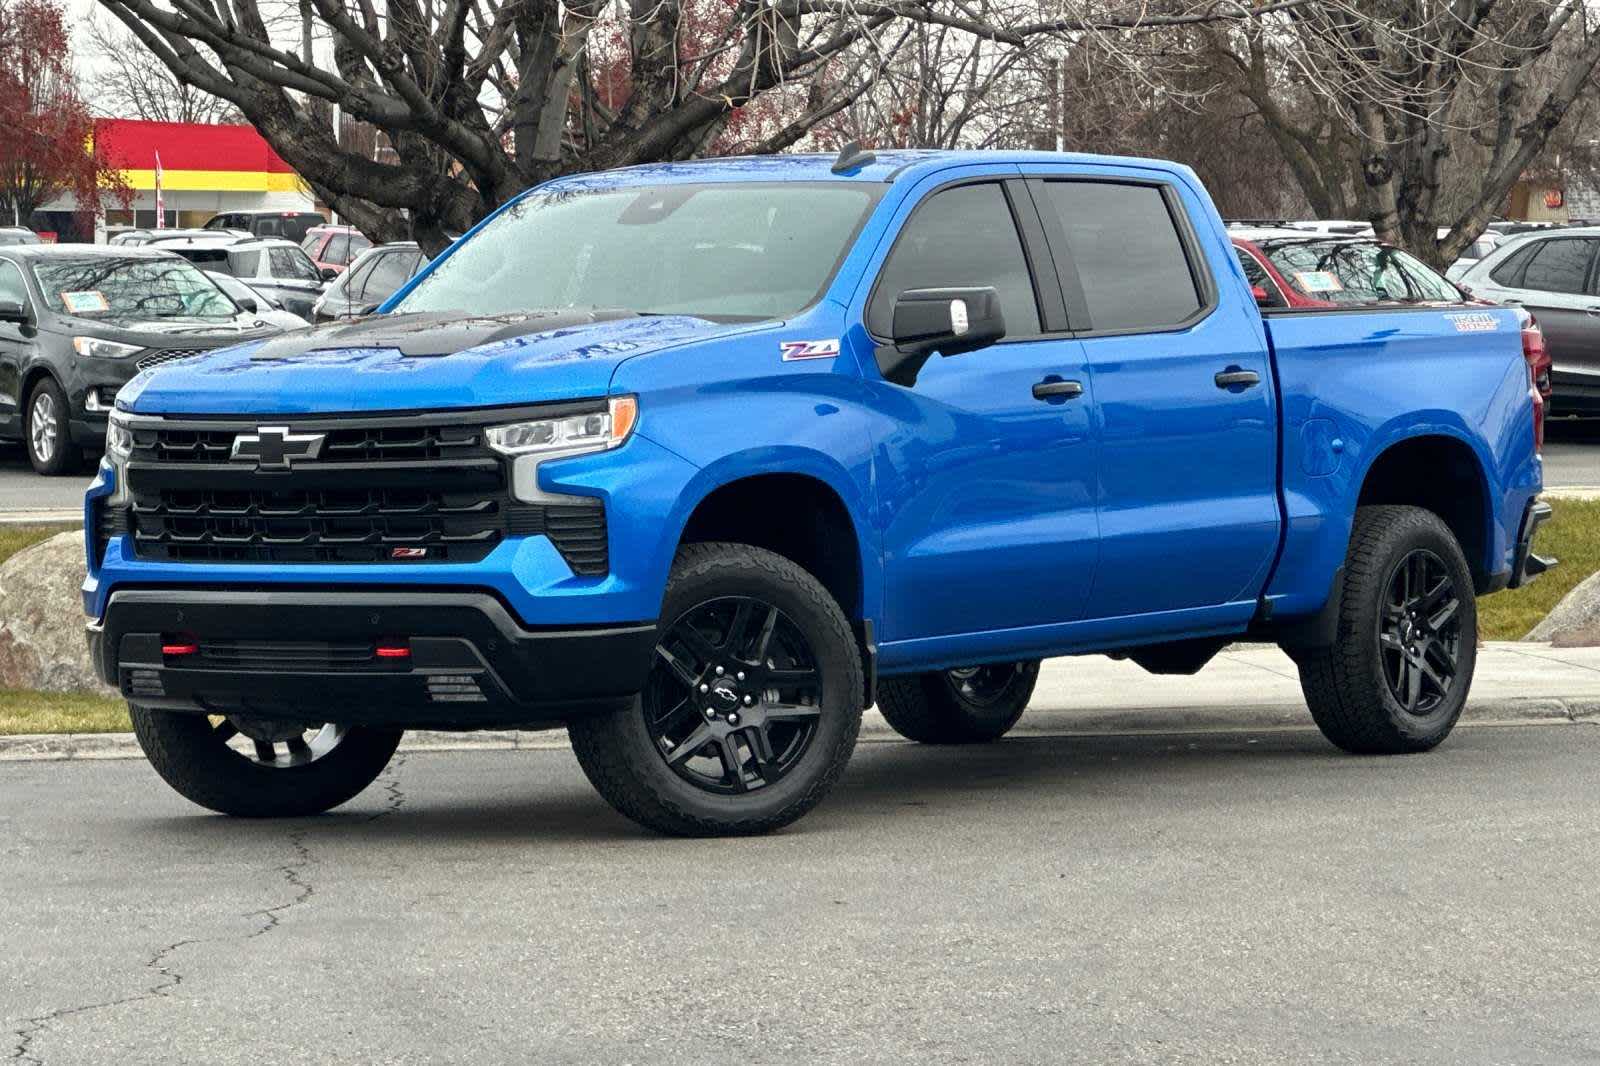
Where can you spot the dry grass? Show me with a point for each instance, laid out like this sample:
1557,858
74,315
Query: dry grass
1573,536
14,538
60,712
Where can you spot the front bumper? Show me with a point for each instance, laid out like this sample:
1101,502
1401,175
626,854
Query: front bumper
1526,565
312,656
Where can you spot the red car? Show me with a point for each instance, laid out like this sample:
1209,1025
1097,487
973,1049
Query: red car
1298,268
334,247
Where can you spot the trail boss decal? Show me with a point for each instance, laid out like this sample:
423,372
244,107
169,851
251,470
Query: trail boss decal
793,350
1476,322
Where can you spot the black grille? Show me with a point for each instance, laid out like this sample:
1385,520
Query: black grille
409,490
289,655
167,355
109,524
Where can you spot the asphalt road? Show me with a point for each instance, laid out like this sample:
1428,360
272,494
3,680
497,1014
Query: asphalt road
1571,458
1229,898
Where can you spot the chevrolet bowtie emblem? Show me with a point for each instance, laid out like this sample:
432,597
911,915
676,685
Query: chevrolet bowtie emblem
274,447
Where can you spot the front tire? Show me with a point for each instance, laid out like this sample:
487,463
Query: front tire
1397,675
45,432
969,706
258,768
751,708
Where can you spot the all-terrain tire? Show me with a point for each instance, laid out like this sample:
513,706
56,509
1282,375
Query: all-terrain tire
627,766
1345,684
190,755
943,707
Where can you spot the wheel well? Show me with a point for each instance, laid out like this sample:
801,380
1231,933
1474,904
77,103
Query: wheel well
29,380
1443,475
797,517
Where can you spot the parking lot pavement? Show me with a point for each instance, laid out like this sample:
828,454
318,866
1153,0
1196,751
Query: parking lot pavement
23,490
1228,898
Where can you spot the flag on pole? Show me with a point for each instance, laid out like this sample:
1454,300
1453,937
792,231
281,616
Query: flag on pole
161,201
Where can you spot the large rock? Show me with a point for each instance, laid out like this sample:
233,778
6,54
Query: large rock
41,618
1575,622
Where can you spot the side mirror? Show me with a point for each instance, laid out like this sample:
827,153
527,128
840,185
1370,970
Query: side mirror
329,273
247,303
947,321
12,311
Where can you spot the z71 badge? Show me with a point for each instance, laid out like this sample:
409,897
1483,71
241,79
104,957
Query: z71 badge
793,350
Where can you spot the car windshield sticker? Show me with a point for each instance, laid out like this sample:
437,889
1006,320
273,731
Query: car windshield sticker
1475,322
1317,281
793,350
87,302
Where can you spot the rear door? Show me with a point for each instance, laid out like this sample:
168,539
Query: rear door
1187,485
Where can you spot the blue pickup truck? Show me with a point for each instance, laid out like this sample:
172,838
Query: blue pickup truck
700,460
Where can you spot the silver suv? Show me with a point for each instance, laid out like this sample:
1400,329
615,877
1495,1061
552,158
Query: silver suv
1554,274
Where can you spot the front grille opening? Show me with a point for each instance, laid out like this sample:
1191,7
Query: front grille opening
455,688
415,492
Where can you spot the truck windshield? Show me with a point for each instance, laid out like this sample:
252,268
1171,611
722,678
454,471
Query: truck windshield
728,251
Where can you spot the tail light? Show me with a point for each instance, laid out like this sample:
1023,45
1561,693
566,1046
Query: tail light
1538,360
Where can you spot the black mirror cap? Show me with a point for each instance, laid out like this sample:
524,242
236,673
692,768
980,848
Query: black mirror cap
246,303
947,321
330,273
12,311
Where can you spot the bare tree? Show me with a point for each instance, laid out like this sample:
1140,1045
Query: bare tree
129,82
479,99
1419,115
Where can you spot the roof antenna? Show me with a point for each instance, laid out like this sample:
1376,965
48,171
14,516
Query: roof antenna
851,157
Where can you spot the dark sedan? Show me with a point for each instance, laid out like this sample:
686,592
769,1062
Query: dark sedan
77,322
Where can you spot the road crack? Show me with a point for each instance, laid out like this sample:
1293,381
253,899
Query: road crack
394,796
303,889
167,980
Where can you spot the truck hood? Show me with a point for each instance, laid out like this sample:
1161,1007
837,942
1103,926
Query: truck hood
412,362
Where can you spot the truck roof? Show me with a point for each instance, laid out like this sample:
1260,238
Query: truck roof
887,165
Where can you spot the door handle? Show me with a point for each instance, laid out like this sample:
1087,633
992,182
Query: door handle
1057,390
1233,377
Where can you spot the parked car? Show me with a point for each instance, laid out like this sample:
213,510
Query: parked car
260,304
702,459
372,279
333,248
276,268
1486,243
290,225
1554,274
1291,268
18,235
78,321
1343,227
139,237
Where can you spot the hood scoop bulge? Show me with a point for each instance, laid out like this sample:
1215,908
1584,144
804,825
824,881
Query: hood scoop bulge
425,333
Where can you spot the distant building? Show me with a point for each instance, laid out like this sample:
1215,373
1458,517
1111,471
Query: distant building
205,169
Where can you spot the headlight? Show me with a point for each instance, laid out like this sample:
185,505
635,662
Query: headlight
96,348
570,434
119,438
537,440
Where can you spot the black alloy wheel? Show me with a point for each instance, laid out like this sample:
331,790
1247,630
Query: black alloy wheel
733,701
1419,632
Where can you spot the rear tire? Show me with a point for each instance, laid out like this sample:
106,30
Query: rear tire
971,706
752,705
1397,675
208,763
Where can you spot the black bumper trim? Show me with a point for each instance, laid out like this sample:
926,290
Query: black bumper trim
1527,566
471,664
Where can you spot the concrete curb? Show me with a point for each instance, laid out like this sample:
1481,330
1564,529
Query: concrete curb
1151,721
40,518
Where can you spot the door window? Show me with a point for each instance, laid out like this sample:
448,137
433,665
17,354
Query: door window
292,263
244,264
1130,260
12,287
1258,277
387,275
338,250
1559,265
963,237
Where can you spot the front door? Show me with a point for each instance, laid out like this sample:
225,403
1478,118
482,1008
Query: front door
985,490
14,347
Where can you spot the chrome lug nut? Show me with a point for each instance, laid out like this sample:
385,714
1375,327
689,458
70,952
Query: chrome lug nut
739,675
748,700
733,718
705,688
710,713
719,671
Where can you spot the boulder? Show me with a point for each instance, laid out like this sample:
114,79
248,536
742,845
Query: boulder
1575,621
41,618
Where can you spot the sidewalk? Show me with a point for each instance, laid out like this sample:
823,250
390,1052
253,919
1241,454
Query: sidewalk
1249,688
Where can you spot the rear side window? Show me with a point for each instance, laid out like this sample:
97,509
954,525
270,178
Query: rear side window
1509,272
292,263
244,264
959,238
338,250
1257,276
1559,265
12,286
1130,260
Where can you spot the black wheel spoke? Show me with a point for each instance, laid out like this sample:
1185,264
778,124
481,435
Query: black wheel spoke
1439,618
1419,632
763,762
732,762
265,751
792,712
763,642
690,745
1391,641
792,678
679,669
225,731
739,636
